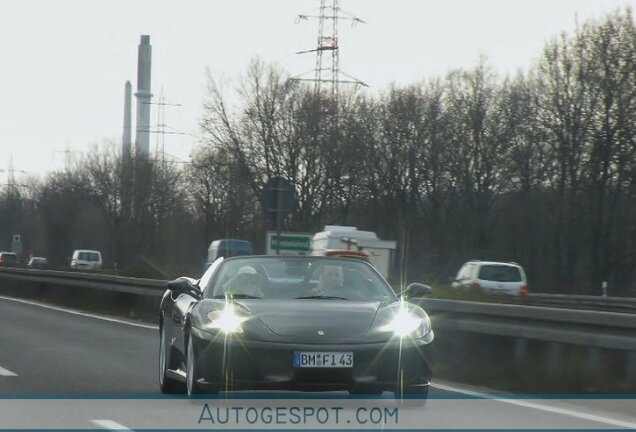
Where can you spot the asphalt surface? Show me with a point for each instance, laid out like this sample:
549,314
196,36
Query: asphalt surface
62,369
54,352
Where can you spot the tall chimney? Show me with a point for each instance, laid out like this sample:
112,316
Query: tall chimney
127,137
126,156
143,95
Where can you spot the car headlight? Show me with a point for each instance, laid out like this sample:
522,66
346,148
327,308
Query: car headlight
227,320
405,323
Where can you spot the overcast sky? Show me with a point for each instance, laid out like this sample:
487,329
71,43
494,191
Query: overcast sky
64,63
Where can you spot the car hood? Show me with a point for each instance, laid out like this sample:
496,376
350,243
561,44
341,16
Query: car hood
314,320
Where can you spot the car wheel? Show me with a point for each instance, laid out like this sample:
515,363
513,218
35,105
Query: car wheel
167,384
192,371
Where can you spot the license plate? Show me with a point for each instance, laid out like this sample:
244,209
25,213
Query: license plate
323,359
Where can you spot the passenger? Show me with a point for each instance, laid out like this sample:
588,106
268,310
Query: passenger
247,282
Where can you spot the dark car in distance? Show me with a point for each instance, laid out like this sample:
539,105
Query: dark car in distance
38,263
293,323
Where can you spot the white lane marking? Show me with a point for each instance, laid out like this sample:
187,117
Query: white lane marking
110,425
6,372
533,405
84,314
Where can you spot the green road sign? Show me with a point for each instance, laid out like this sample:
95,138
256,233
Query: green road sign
289,243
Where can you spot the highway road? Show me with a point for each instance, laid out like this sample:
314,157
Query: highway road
66,369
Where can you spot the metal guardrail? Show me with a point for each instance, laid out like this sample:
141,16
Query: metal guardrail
592,328
580,327
608,304
144,287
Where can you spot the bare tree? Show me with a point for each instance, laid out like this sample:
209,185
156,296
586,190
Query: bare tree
478,151
566,107
613,57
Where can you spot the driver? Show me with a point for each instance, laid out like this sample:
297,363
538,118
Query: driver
330,280
247,281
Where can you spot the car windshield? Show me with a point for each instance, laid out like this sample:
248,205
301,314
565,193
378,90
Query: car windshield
88,256
302,278
500,273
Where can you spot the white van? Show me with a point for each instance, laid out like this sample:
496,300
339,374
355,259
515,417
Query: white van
84,259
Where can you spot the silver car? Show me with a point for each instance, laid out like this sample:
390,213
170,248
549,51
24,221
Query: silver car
492,277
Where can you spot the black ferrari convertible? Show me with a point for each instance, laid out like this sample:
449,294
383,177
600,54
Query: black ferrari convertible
292,323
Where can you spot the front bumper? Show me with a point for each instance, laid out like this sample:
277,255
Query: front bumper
233,364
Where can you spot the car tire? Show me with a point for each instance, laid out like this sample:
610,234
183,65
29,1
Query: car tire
168,385
192,370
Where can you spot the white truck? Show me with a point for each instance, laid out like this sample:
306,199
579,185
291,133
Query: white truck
381,252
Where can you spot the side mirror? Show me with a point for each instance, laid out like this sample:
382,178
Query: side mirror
416,290
185,285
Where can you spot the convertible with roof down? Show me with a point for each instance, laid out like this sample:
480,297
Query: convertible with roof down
293,323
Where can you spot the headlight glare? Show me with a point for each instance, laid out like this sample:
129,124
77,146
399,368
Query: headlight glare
405,323
226,320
